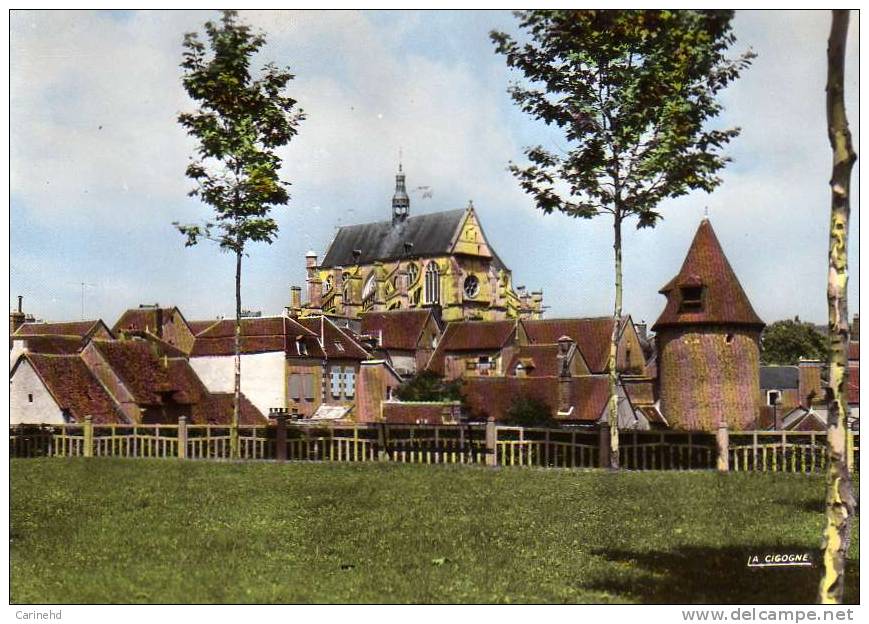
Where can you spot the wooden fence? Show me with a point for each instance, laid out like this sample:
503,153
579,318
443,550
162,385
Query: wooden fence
485,444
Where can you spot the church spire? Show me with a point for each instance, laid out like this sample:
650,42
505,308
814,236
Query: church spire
400,200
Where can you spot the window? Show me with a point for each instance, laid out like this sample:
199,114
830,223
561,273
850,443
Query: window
692,299
327,284
30,398
349,382
308,386
414,296
484,364
412,273
295,387
472,286
728,338
368,292
773,397
301,347
335,381
432,283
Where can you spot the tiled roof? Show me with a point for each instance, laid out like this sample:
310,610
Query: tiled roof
641,392
145,319
854,350
337,343
74,388
779,377
197,327
472,336
258,335
74,328
139,365
543,360
396,329
218,408
724,302
54,345
493,396
162,347
592,336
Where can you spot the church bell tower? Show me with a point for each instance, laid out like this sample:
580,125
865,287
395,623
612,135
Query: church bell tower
400,200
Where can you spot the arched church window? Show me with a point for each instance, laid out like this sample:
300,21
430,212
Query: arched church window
327,284
412,273
432,283
368,292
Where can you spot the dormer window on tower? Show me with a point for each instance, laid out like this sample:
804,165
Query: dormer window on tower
692,298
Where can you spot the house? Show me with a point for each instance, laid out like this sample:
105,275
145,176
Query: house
406,338
166,324
477,348
440,259
54,338
58,388
708,343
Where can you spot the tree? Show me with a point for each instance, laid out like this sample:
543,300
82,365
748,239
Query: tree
785,342
840,497
529,412
633,92
428,386
240,122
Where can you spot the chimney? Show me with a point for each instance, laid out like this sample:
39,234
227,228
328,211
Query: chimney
315,286
566,347
16,318
642,330
295,300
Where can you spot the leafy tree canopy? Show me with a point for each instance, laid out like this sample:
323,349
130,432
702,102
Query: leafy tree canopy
240,121
785,342
633,91
529,412
429,386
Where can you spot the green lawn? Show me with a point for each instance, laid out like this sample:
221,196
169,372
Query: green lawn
153,531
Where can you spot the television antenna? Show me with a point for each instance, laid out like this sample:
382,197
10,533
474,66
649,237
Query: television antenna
83,285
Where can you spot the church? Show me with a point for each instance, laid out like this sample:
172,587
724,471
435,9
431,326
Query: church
439,260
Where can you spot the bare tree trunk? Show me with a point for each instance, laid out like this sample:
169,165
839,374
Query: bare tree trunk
840,499
236,403
613,407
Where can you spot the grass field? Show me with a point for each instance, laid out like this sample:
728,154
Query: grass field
157,531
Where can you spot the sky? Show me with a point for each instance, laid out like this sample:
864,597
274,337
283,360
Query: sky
97,163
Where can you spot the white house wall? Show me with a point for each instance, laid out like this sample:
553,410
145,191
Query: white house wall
262,376
43,409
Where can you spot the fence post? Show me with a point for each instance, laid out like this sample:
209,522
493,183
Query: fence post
281,436
723,440
604,446
491,442
182,437
88,436
382,454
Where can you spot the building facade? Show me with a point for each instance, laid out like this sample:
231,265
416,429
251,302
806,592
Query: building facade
440,260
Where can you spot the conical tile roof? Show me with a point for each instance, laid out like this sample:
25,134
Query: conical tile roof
723,301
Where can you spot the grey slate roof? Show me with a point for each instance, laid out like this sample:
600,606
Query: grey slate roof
431,235
779,377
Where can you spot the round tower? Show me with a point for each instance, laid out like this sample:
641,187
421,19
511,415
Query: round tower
708,341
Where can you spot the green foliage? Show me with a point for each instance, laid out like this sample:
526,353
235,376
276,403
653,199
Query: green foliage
785,342
529,412
429,386
633,91
145,531
240,121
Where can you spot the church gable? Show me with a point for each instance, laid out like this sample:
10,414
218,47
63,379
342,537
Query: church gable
469,239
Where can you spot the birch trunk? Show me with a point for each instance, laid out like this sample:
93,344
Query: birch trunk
613,406
840,500
236,401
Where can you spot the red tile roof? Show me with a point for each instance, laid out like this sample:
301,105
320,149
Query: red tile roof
54,345
74,328
592,336
208,407
724,302
641,392
140,368
75,388
543,360
337,343
493,396
197,327
258,335
396,329
854,350
472,336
